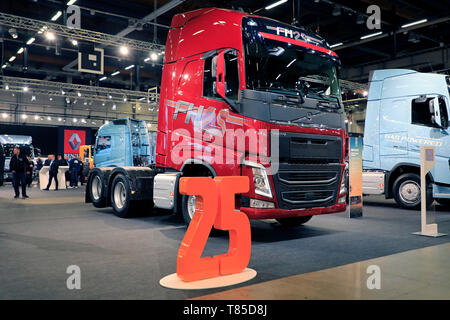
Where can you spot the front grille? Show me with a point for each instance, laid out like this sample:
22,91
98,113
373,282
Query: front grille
306,185
309,171
302,177
297,197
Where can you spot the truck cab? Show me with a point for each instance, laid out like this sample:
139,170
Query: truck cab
245,95
9,142
406,110
122,142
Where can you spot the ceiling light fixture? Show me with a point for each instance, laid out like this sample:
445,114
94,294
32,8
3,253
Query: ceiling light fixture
115,73
129,67
13,33
275,4
371,35
31,40
414,23
50,36
56,16
124,50
336,45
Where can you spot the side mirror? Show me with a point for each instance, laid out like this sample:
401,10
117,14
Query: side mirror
220,74
436,113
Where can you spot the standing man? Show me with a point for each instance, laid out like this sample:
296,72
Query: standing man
52,171
18,166
74,169
39,165
30,169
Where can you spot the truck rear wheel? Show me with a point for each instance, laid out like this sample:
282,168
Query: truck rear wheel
121,201
96,190
406,191
294,222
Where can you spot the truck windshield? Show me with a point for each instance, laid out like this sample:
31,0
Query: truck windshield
274,68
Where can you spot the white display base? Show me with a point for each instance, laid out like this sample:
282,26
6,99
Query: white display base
173,282
433,235
44,175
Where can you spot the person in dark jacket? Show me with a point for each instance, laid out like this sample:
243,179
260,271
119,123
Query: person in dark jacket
29,170
62,161
39,165
74,169
18,166
52,171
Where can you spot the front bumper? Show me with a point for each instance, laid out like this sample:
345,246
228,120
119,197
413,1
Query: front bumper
256,213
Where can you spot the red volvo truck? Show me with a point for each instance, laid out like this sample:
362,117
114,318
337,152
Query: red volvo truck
235,85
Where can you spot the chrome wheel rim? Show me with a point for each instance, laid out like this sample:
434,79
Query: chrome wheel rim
96,188
120,195
410,192
191,206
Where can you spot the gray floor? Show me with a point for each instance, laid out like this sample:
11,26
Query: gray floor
125,259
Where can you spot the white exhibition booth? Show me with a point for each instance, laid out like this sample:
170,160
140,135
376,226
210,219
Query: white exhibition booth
44,174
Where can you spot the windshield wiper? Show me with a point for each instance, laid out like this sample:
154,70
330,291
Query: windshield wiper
298,92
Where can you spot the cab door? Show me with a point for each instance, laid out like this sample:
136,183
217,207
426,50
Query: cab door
441,139
394,123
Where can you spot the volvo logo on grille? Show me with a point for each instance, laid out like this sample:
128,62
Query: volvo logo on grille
309,196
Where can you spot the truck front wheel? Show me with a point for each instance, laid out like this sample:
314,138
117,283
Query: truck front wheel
406,191
188,204
121,201
96,188
294,222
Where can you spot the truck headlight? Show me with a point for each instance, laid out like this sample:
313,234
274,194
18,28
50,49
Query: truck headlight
260,179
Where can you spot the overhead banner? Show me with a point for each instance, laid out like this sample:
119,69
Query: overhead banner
355,177
91,60
73,139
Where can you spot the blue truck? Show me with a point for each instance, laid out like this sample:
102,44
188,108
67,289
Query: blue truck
406,109
123,143
9,142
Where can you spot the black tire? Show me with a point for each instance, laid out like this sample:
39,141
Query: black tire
185,209
120,194
443,202
405,191
294,222
96,189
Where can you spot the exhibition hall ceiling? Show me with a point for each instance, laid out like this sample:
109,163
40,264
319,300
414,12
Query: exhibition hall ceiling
340,21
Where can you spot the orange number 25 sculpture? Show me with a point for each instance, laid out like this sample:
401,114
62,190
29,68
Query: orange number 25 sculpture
215,206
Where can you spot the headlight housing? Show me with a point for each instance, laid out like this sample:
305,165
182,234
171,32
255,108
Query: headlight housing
260,179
